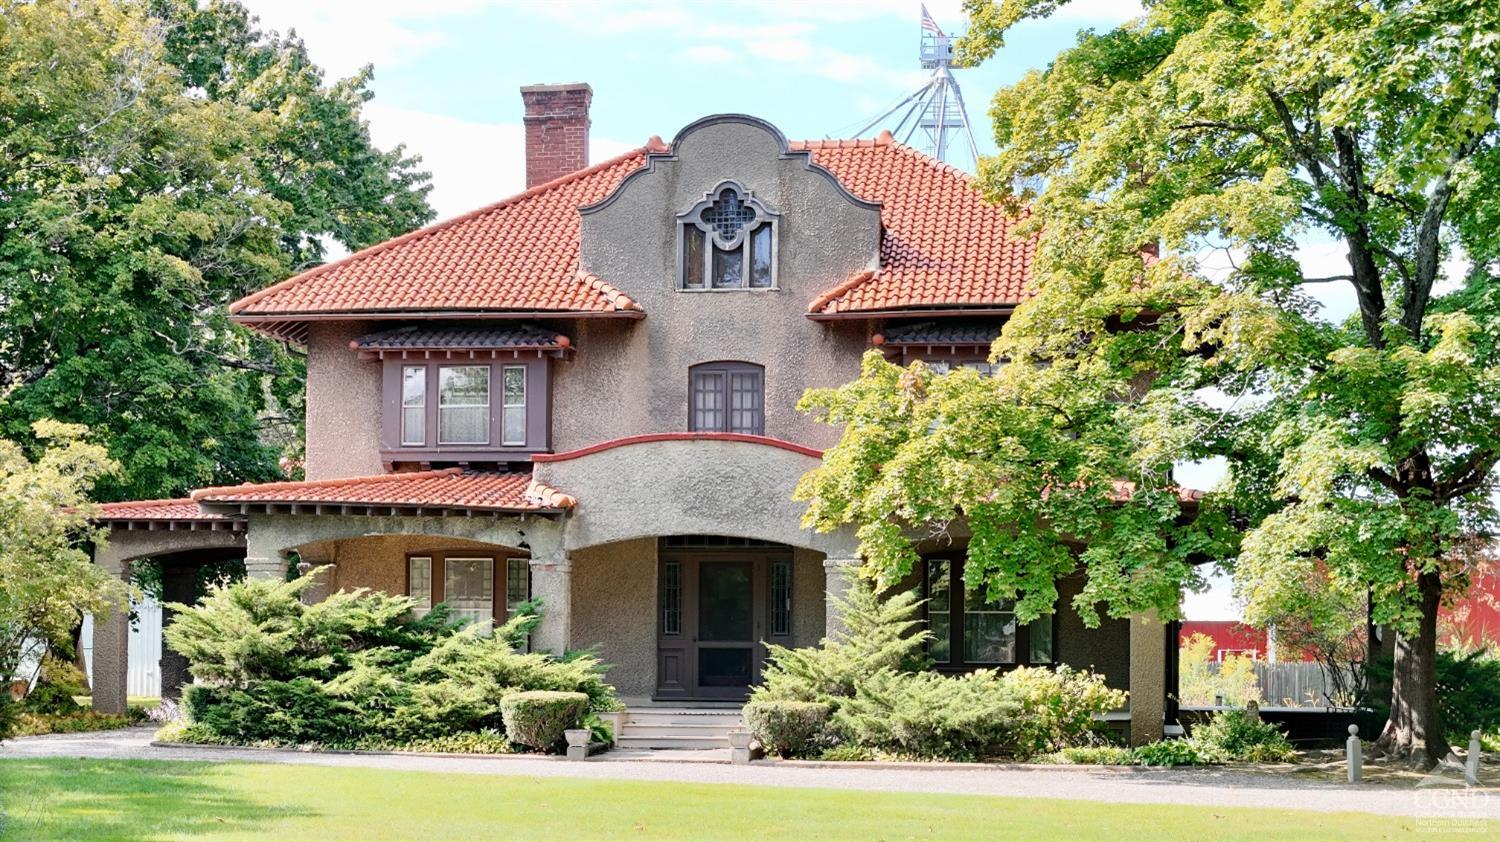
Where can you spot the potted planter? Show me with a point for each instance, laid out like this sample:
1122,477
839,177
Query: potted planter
739,746
578,742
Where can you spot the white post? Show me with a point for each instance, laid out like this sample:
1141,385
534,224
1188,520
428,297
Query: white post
1355,754
1471,763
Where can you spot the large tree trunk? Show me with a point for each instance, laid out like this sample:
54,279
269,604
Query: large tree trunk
1414,731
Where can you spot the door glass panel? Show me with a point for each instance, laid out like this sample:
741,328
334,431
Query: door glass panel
939,608
724,667
725,602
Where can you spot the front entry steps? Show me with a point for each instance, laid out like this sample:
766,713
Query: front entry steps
678,727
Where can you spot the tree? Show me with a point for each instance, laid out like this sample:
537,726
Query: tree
47,576
1365,449
158,160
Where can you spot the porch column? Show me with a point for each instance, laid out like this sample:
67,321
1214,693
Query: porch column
552,582
263,556
111,644
1148,677
838,574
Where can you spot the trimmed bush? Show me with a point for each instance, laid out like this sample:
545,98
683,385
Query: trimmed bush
787,729
930,716
1236,735
538,718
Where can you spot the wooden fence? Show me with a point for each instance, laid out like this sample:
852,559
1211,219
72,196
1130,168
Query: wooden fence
1293,683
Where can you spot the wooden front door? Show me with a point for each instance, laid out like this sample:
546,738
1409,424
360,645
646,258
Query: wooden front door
711,619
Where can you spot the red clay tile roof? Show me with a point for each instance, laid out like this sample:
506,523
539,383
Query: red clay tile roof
450,488
517,255
943,245
178,510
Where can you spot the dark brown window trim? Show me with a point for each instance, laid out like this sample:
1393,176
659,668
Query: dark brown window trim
726,370
956,662
538,413
499,581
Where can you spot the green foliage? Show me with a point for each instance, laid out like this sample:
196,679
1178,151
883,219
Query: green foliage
1233,683
1236,735
1095,756
538,718
47,577
358,669
32,724
930,716
873,678
1362,453
879,634
9,716
1058,707
158,160
847,753
1468,693
1168,753
787,729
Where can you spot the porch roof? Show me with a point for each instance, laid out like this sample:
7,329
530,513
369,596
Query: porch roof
445,491
179,513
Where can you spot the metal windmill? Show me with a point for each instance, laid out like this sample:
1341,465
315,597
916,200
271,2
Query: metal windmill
934,114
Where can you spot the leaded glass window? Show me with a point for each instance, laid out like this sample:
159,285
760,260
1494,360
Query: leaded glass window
419,583
781,598
671,598
728,241
513,415
517,583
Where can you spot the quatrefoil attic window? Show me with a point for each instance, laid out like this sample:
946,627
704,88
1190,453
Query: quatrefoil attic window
727,241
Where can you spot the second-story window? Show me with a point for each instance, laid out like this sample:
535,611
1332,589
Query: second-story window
728,241
513,414
414,405
727,397
464,404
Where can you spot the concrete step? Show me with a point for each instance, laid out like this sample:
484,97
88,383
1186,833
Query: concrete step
714,719
677,730
627,741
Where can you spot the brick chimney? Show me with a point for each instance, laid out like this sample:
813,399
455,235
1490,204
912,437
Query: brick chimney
557,130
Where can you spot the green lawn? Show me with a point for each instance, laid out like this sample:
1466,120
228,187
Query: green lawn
86,799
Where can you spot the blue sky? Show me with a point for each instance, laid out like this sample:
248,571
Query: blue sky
447,71
447,74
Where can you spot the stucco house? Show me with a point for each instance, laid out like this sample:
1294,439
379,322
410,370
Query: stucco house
586,393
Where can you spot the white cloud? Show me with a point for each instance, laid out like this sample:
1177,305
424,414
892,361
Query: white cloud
472,164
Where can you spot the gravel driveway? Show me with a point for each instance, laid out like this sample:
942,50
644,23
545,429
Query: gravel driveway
1198,787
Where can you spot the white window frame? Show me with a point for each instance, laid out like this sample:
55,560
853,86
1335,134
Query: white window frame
508,437
489,400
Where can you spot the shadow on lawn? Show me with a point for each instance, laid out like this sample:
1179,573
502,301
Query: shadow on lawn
89,799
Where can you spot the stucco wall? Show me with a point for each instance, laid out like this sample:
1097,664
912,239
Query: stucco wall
809,607
343,404
687,487
378,562
629,379
1105,650
614,607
